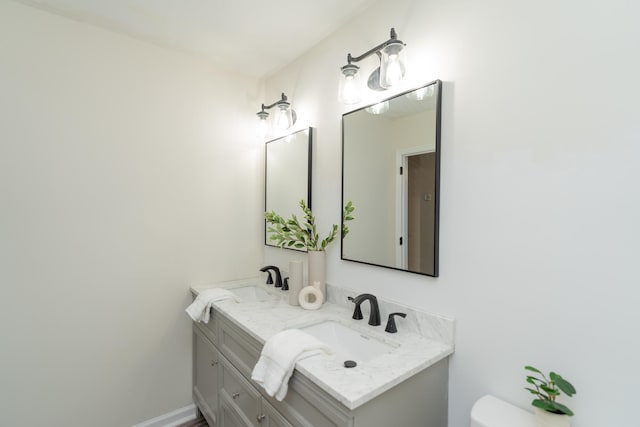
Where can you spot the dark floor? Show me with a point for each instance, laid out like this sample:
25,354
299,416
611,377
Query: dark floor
198,422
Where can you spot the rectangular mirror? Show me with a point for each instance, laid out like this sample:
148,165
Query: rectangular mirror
287,178
391,172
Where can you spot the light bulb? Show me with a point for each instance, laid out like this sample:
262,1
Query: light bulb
422,93
391,65
349,89
349,92
394,72
264,130
379,108
284,119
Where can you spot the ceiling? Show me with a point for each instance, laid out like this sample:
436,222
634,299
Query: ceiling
255,36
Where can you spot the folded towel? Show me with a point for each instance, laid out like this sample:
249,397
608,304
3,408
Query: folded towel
200,308
279,356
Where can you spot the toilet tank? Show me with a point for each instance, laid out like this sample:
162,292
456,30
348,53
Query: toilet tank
489,411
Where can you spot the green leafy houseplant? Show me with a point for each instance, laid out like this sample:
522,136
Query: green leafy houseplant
547,389
292,233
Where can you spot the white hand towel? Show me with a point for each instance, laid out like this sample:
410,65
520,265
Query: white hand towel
279,356
200,308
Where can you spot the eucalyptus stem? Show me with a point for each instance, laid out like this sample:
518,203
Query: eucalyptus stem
292,233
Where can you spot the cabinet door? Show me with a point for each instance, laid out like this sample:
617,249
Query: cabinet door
205,375
269,417
239,394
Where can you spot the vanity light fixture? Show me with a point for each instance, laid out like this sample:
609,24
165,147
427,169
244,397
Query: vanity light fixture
390,72
285,116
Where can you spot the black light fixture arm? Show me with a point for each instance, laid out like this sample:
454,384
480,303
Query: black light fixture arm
282,100
393,39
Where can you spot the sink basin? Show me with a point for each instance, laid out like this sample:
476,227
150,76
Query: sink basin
347,343
251,293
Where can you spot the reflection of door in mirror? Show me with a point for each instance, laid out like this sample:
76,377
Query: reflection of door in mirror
390,170
288,174
415,209
420,212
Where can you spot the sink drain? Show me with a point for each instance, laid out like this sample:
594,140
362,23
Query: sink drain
350,364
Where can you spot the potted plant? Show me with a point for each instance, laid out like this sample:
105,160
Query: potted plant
303,234
549,412
292,233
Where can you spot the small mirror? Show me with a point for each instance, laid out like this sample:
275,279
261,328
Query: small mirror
288,175
391,172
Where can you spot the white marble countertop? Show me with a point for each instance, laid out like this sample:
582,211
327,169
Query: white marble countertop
352,387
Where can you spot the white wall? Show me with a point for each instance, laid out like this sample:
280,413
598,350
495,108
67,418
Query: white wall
127,173
540,206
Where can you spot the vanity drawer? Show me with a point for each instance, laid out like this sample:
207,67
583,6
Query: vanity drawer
229,416
239,394
242,350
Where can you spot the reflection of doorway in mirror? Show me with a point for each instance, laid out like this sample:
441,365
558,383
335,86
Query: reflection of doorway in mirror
415,211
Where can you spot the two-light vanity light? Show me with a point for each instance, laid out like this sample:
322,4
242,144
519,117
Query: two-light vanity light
285,117
390,72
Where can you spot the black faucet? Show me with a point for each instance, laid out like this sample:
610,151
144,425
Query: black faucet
276,270
391,323
374,315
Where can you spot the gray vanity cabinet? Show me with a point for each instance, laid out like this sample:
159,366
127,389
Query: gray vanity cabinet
224,356
206,361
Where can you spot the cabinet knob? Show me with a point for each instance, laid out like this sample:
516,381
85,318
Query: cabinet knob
235,395
261,418
214,362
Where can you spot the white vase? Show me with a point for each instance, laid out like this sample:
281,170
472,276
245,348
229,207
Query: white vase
295,281
548,419
317,268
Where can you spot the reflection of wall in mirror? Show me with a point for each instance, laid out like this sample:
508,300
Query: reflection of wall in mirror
415,130
368,185
287,174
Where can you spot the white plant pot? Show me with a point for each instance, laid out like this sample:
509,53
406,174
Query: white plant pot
548,419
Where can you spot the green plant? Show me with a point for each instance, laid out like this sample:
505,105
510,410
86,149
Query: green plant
303,234
548,389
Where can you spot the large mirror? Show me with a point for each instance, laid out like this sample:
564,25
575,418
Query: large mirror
287,166
391,172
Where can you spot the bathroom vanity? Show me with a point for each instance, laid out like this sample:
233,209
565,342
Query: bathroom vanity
405,386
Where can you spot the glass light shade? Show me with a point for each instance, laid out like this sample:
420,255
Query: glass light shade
349,89
264,130
284,117
391,64
379,108
422,93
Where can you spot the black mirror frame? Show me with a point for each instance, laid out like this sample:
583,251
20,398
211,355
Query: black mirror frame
438,132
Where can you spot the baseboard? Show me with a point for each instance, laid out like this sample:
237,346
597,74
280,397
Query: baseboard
171,419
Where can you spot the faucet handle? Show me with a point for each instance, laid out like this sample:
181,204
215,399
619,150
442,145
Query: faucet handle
391,323
285,284
357,312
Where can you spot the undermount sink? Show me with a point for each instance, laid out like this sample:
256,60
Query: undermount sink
251,293
347,343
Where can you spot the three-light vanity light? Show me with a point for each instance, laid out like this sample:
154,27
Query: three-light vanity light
389,73
285,116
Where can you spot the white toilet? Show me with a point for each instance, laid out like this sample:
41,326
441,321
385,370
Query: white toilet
490,411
